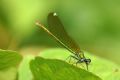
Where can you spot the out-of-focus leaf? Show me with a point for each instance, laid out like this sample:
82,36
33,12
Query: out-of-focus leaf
24,70
8,64
9,59
9,74
53,69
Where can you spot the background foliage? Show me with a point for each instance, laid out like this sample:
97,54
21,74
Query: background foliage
93,24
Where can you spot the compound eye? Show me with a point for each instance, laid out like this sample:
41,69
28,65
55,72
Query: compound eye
88,61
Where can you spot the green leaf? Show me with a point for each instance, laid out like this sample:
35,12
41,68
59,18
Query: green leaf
9,61
24,70
101,67
54,69
9,74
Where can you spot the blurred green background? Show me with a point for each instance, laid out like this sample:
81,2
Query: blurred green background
95,25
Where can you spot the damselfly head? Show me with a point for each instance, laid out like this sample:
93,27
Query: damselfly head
87,62
84,60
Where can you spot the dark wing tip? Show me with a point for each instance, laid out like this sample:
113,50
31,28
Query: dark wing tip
52,14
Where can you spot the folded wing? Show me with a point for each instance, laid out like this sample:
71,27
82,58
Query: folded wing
57,29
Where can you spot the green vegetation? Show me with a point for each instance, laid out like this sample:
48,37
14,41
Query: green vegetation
103,68
9,61
53,69
93,24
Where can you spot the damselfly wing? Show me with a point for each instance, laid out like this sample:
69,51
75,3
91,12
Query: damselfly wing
56,27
